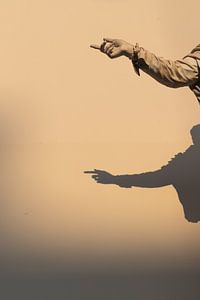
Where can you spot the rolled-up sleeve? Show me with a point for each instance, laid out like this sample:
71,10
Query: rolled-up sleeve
174,74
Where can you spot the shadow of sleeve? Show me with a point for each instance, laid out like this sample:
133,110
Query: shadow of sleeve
162,177
153,179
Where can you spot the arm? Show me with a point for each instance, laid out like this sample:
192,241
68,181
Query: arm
171,73
153,179
178,73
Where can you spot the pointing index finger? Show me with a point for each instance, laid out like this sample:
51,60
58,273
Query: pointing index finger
89,172
94,46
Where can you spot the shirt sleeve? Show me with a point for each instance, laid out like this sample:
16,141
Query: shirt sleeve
174,74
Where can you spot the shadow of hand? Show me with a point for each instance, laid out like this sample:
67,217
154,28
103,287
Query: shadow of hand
105,177
101,176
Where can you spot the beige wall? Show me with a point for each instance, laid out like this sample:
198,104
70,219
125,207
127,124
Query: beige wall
65,108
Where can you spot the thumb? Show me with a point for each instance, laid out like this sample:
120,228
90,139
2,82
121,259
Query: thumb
108,40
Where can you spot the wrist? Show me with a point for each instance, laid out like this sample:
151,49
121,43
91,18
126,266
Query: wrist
116,179
123,181
129,51
132,51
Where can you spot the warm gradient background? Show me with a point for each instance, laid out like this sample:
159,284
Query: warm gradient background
65,108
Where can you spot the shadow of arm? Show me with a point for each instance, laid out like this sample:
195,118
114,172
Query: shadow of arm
153,179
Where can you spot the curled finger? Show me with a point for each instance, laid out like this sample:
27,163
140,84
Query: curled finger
107,47
110,50
102,47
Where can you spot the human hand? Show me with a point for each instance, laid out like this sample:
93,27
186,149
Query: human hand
114,47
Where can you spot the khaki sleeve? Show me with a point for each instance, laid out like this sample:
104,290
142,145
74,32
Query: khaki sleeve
174,74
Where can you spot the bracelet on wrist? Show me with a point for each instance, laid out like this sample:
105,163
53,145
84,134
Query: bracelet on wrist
134,55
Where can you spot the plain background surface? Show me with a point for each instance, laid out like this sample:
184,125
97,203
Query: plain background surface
65,108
